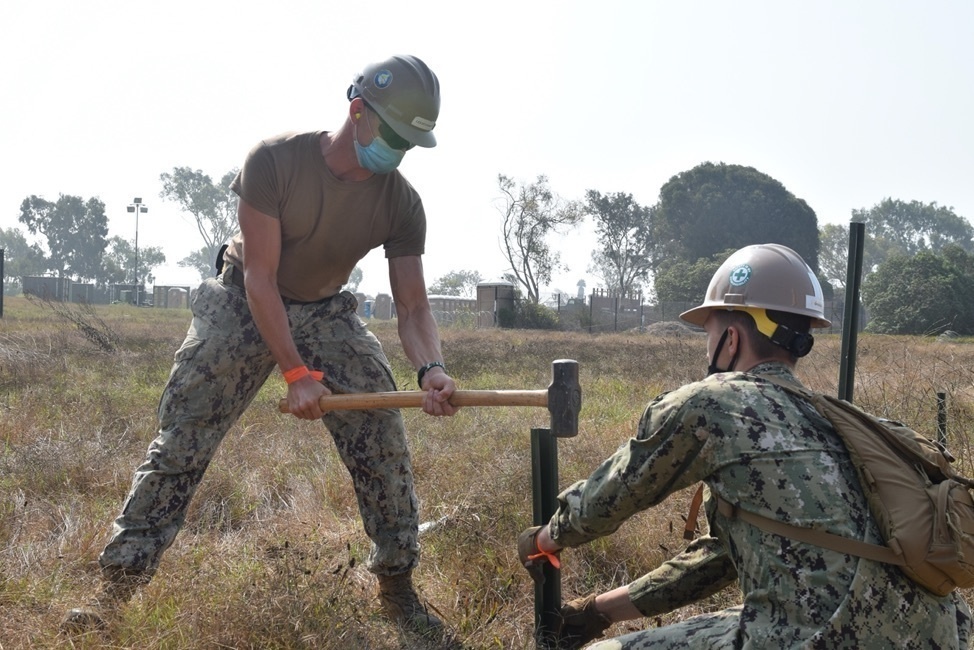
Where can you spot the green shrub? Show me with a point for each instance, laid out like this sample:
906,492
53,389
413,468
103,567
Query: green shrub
534,316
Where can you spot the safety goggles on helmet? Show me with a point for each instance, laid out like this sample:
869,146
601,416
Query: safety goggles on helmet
391,138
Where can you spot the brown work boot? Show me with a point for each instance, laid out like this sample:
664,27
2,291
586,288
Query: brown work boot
401,604
117,588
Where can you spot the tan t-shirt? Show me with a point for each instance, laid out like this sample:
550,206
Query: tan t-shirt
327,225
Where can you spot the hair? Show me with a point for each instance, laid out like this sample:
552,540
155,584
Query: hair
761,344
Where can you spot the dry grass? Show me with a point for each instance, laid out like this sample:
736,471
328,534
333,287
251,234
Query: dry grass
272,553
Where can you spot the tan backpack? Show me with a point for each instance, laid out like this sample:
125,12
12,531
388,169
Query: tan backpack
923,507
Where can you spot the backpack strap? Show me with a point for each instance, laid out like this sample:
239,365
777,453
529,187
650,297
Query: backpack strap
813,536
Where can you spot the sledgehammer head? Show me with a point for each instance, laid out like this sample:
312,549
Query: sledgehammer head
564,398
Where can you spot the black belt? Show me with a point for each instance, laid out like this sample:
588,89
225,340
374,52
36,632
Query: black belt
234,276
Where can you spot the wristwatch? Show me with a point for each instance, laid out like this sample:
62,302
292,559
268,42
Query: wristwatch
422,371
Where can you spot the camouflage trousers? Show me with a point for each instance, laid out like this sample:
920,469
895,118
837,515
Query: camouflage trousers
716,631
220,367
722,631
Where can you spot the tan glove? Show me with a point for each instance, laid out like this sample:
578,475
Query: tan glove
580,623
532,557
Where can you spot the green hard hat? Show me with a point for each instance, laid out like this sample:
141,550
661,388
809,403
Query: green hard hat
406,95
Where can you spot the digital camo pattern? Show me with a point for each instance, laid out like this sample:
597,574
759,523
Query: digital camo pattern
218,370
775,455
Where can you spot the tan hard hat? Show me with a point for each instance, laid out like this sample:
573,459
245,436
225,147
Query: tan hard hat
759,277
406,95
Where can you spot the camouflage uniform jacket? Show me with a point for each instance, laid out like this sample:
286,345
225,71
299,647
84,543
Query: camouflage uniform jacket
773,454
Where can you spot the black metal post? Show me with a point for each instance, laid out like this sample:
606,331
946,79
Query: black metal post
850,322
591,304
544,488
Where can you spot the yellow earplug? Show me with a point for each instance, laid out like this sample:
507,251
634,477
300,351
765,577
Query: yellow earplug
358,115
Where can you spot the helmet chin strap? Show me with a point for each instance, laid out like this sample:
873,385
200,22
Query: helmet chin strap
712,368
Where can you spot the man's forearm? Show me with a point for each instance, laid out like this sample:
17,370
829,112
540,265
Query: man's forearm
419,336
701,570
270,317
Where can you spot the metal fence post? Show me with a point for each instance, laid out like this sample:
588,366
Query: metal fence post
564,405
544,484
850,321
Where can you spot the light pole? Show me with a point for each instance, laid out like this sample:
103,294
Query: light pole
137,207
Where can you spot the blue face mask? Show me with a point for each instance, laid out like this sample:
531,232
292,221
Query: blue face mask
378,157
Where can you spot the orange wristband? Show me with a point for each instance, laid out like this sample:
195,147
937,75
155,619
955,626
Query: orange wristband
551,557
300,372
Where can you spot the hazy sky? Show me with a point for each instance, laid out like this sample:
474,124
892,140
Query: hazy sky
845,102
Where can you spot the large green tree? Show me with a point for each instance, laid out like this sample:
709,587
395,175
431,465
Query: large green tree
531,212
713,207
456,283
76,232
20,258
922,294
687,282
623,254
895,226
119,262
213,206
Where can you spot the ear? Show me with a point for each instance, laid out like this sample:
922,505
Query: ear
733,342
355,109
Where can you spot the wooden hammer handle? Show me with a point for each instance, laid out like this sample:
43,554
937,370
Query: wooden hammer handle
414,398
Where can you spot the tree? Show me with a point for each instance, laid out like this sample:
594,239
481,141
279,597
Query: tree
354,279
456,283
686,282
625,231
76,233
531,213
20,258
894,226
923,294
118,265
214,207
833,253
714,207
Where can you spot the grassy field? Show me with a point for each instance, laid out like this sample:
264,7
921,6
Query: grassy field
272,553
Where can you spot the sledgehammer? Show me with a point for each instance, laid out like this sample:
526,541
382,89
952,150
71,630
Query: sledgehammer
563,398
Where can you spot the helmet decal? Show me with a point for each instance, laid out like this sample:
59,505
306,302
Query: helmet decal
382,79
740,275
423,123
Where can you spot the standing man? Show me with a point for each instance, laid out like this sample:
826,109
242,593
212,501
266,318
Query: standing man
758,447
311,206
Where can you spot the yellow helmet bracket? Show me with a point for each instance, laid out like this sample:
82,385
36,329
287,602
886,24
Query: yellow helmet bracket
798,343
765,325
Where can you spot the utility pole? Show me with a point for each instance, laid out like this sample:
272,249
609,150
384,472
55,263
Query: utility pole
136,206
